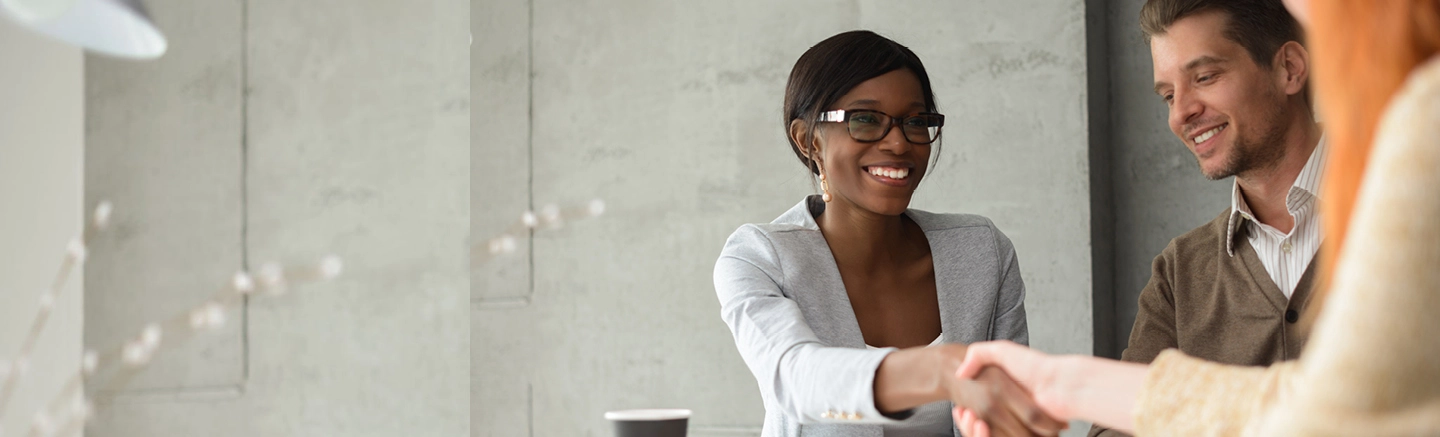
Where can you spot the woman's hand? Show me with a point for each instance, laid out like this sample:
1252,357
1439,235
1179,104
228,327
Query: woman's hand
996,402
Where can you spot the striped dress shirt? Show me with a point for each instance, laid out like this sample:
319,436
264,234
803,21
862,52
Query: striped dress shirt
1285,256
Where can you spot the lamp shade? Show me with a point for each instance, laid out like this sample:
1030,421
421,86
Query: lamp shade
119,28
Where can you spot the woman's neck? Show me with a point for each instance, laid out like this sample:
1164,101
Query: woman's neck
858,237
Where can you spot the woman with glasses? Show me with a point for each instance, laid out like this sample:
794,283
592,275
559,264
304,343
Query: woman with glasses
851,309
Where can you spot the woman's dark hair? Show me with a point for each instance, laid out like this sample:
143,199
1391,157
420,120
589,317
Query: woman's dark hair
835,66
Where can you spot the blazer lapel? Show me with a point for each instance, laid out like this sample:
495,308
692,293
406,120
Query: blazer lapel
825,303
965,283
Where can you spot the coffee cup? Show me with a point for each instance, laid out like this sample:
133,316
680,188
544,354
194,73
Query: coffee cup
649,423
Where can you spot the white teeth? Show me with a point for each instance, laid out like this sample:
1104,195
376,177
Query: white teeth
892,173
1210,133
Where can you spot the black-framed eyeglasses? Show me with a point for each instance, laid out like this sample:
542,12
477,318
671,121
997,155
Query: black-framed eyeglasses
870,126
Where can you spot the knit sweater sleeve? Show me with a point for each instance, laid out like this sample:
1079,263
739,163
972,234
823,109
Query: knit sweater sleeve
1184,395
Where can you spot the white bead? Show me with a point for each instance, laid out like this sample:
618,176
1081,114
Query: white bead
47,301
214,315
331,266
243,282
76,250
150,337
89,362
597,207
135,354
102,214
529,220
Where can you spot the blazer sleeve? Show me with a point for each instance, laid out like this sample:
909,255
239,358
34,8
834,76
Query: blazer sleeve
811,381
1009,323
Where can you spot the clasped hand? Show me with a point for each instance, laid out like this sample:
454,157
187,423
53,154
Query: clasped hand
1000,389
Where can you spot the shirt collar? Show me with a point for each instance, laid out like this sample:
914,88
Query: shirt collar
1308,181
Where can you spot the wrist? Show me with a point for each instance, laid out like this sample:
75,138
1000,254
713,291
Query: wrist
1060,384
911,377
947,358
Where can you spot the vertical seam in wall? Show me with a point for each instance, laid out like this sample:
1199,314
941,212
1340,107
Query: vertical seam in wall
530,408
244,187
526,296
530,139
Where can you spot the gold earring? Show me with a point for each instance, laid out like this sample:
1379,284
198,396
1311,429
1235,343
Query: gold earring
824,185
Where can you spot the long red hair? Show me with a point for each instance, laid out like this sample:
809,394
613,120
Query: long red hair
1363,52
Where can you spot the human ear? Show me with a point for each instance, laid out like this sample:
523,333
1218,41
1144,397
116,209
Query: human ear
806,140
1293,63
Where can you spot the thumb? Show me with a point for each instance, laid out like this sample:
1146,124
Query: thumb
977,357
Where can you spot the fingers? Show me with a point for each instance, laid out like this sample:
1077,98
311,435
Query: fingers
999,353
968,424
1022,406
983,430
1005,407
1001,423
992,387
980,404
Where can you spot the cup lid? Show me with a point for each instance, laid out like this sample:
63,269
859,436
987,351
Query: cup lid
648,414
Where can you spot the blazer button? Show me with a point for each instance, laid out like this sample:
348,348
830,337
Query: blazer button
1292,316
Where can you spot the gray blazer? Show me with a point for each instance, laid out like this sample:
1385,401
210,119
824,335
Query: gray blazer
781,295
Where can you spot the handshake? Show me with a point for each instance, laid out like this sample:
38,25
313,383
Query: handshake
1004,389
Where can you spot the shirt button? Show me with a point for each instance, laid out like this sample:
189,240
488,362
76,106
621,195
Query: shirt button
1285,247
1292,316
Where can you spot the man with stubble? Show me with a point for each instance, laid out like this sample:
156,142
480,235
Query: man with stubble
1234,76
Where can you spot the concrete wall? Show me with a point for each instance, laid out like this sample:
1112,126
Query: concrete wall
1159,192
669,111
41,154
285,131
277,130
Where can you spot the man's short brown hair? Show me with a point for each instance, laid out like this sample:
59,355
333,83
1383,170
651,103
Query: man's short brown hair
1260,26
